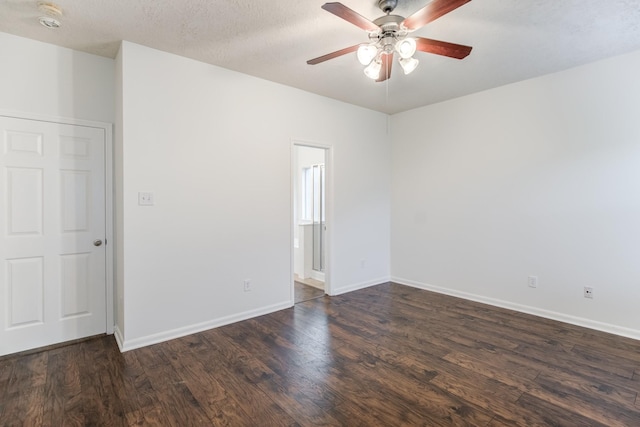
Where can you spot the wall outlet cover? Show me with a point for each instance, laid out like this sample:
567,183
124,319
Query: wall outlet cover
588,292
145,198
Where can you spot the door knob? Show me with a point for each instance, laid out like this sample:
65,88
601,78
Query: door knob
97,242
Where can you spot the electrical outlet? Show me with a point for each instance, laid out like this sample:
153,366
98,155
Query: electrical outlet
533,281
588,292
247,285
363,263
145,199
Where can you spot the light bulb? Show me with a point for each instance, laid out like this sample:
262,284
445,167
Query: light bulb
408,64
366,53
406,47
373,70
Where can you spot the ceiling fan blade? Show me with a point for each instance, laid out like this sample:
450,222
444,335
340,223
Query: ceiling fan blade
342,11
451,50
431,12
332,55
385,70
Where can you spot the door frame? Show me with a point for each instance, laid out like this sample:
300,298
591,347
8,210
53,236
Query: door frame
108,193
328,196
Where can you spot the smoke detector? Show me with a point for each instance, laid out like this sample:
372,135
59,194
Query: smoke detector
51,12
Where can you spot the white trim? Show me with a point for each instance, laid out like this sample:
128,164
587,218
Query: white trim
109,228
126,345
547,314
317,275
292,153
328,196
54,119
119,338
357,286
109,206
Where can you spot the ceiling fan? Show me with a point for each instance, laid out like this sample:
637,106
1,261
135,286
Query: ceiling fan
389,34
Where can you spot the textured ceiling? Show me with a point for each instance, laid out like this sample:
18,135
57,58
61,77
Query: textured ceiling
512,40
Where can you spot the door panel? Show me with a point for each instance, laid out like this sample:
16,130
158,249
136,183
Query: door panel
52,208
25,198
25,291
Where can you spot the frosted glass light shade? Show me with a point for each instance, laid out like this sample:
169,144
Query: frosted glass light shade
373,70
408,64
406,47
366,53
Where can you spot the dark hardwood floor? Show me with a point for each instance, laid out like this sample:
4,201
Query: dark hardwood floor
304,292
384,356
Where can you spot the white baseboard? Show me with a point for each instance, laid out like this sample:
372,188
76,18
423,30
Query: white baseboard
356,286
317,275
126,345
547,314
313,285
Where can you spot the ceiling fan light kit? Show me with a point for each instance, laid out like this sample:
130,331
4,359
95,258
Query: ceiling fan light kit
366,53
389,35
373,70
385,44
406,47
408,64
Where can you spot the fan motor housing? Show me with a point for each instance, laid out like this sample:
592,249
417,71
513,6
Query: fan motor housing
389,24
387,6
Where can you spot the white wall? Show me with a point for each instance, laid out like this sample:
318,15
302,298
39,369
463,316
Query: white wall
43,79
540,177
214,146
535,178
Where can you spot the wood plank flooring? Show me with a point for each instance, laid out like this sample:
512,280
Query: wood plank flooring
304,292
388,355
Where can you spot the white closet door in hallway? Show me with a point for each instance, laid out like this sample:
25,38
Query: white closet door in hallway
52,235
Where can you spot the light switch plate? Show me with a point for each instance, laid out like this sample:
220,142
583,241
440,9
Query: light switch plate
145,199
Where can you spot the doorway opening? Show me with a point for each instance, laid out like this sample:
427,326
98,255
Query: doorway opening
309,222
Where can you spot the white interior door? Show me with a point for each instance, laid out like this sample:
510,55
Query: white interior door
52,250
